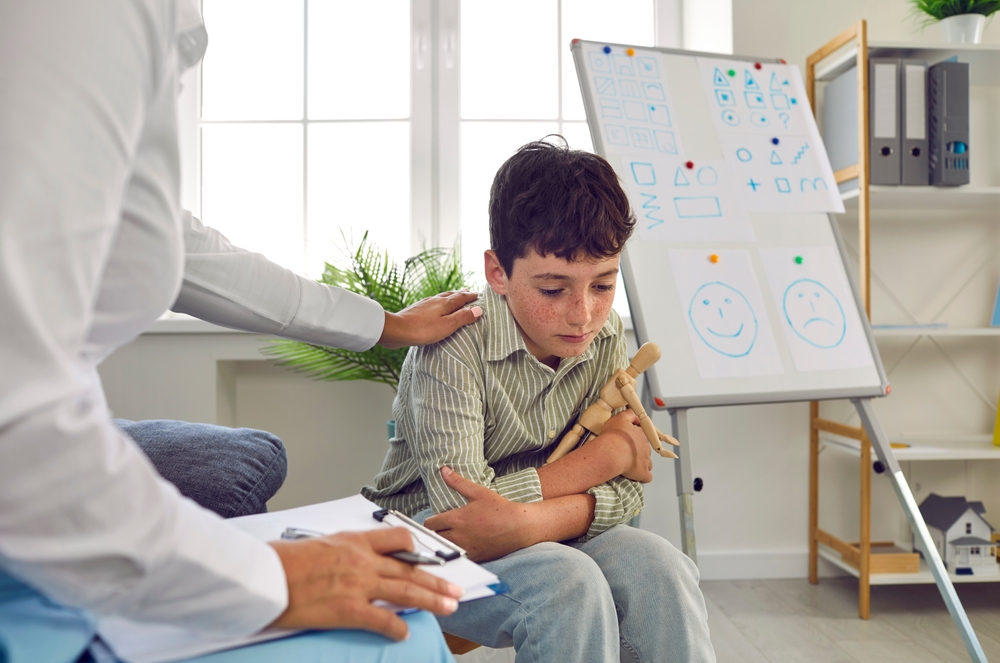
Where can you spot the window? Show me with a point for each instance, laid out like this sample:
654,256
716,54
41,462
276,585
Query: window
968,528
311,120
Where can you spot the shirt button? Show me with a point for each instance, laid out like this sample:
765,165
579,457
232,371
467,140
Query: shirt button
552,434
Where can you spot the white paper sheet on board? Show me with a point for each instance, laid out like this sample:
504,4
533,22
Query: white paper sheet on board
819,316
724,313
768,134
676,199
632,101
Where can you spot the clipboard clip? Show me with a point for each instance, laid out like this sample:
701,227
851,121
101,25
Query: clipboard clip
452,551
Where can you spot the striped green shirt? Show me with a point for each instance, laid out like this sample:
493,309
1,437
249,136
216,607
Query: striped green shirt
482,404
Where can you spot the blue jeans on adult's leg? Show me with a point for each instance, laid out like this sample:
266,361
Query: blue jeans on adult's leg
625,595
231,471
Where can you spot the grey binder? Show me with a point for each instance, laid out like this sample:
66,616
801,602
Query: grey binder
913,121
948,123
840,120
883,99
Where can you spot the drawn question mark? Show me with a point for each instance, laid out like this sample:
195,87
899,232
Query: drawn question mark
784,117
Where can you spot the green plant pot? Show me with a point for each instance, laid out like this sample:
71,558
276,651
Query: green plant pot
391,426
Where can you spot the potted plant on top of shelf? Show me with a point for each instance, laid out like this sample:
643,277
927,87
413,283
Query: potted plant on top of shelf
961,21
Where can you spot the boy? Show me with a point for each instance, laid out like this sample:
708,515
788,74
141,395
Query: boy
478,413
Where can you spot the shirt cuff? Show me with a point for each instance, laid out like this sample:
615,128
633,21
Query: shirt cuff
523,486
609,510
335,317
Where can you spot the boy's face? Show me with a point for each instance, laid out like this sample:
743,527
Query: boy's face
559,306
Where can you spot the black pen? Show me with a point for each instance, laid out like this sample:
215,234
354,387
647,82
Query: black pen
298,533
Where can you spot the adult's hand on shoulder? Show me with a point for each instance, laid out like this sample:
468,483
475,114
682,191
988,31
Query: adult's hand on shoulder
333,580
429,320
488,527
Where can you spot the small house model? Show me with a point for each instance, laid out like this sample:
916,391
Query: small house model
961,534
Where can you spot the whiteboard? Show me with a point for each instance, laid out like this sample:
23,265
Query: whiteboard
736,268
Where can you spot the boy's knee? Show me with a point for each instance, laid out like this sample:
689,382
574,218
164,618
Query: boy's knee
573,578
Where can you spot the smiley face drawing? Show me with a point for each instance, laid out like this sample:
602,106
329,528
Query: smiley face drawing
814,313
723,319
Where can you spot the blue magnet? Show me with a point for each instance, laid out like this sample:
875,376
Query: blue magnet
775,141
607,49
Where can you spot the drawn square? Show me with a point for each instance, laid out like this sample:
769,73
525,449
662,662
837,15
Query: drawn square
779,101
616,133
635,110
654,91
643,173
665,141
610,108
630,89
599,62
642,138
754,99
623,65
697,207
605,86
725,98
784,186
648,68
659,114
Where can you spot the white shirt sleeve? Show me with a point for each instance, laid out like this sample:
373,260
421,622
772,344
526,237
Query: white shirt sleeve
229,286
89,145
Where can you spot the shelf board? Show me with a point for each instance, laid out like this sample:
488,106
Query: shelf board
943,331
922,577
982,58
926,198
954,447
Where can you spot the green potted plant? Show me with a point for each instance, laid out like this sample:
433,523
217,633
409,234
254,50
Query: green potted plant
370,272
961,21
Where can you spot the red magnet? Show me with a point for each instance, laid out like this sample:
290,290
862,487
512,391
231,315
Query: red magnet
576,41
888,389
659,401
782,60
757,65
689,165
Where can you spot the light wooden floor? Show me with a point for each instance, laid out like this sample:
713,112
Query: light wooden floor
779,621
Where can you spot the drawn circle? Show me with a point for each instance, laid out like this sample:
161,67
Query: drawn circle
707,176
723,319
743,154
814,314
730,118
759,119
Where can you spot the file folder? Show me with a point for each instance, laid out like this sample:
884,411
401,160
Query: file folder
883,102
913,122
948,123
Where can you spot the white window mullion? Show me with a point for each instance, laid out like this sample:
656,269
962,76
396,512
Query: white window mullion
422,191
448,128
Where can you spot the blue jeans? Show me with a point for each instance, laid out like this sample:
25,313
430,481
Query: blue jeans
625,595
231,471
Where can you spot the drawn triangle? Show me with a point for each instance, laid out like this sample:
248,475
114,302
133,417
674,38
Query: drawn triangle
720,78
775,159
775,85
680,179
750,83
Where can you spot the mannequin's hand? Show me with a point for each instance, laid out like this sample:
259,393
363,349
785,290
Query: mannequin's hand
429,320
333,580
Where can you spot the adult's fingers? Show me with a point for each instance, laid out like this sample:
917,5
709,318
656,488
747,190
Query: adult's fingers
464,487
380,620
412,595
389,540
388,567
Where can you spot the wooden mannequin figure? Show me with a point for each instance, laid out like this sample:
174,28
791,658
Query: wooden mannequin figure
618,392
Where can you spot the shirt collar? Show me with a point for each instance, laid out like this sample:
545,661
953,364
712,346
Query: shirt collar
504,339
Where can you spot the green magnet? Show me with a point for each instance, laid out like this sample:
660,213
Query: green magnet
798,260
731,72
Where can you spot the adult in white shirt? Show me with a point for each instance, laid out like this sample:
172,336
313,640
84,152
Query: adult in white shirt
91,252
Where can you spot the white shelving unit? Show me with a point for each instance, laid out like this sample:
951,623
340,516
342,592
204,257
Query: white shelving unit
922,577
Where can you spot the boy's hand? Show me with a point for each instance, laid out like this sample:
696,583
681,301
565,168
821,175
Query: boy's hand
623,433
333,580
488,527
429,320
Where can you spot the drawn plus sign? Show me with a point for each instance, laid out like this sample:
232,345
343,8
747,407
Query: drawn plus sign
753,184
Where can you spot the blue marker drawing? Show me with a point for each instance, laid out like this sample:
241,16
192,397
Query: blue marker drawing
814,183
759,119
725,98
814,314
753,185
654,91
744,155
779,101
659,114
648,205
723,319
720,78
605,86
730,118
635,110
616,133
642,137
648,67
665,141
707,176
754,100
630,89
623,65
799,154
643,173
697,207
749,82
610,108
680,179
599,62
784,186
774,84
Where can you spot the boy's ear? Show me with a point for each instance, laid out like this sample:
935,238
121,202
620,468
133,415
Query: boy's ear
495,274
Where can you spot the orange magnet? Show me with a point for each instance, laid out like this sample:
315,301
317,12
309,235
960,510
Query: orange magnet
888,389
714,257
630,52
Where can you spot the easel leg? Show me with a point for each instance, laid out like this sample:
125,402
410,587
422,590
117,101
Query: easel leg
685,482
865,534
884,452
813,491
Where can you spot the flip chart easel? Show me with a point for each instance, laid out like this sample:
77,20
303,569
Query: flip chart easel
737,267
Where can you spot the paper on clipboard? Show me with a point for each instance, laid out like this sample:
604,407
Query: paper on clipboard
135,642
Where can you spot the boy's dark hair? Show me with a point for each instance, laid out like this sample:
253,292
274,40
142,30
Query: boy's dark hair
557,201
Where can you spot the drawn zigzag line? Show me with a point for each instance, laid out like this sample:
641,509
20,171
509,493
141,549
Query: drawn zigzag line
800,153
648,205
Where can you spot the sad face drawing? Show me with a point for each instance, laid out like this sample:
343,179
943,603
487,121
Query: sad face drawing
814,313
723,319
